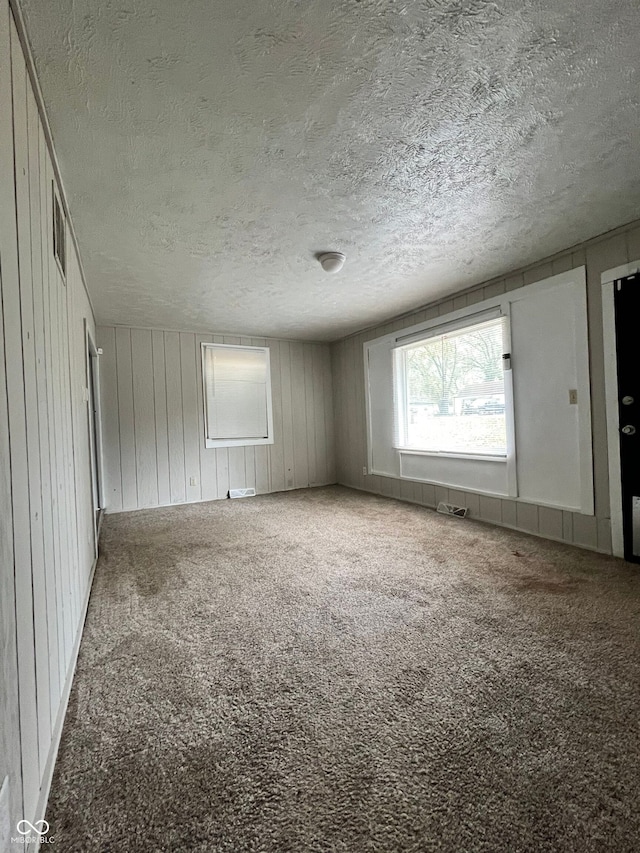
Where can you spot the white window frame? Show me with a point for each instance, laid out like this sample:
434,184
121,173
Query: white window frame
211,443
399,372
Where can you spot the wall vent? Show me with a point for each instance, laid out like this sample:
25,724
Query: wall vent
452,509
242,493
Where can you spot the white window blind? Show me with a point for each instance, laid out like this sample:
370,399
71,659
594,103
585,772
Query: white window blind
237,395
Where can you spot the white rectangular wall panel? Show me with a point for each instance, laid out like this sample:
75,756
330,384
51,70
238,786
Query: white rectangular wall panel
548,330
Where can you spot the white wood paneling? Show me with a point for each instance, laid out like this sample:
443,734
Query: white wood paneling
175,422
20,465
47,542
160,416
10,747
191,425
165,406
110,418
144,419
592,532
126,419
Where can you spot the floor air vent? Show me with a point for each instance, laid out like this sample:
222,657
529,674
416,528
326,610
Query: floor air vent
241,493
452,509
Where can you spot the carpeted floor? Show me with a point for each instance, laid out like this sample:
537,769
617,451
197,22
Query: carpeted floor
324,670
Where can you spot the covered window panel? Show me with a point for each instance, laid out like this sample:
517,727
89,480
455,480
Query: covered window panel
450,394
237,395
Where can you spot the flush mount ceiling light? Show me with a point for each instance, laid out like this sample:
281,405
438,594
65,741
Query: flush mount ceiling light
332,261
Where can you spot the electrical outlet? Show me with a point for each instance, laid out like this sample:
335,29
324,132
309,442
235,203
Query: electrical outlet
193,481
573,396
364,470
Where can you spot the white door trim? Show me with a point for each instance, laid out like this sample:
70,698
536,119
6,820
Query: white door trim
611,395
92,355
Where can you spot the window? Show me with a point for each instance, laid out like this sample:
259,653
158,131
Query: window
237,395
59,234
449,391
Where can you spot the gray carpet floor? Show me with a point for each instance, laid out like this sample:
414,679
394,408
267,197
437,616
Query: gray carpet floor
324,670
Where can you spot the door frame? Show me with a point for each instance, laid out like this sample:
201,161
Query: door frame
92,355
607,280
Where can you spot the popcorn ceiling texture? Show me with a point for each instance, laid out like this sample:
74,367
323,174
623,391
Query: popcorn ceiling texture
210,149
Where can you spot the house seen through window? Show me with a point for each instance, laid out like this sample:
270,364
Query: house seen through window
450,394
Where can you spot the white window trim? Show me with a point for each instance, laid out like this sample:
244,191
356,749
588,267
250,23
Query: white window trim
212,443
469,322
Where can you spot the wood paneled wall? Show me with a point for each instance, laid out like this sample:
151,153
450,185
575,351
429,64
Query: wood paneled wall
593,532
153,427
47,541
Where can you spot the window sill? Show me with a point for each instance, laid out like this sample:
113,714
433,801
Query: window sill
212,443
481,457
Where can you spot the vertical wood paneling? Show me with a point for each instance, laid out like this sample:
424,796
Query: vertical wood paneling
236,467
64,568
68,473
222,454
318,413
126,419
338,370
168,416
175,423
329,417
110,419
10,760
261,458
309,415
298,417
287,414
358,385
604,255
27,174
20,467
160,416
37,183
47,549
144,418
10,748
51,335
190,418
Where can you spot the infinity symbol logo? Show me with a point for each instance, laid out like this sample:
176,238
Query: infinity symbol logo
41,827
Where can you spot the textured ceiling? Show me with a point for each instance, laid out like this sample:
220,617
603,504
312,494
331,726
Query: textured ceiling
210,149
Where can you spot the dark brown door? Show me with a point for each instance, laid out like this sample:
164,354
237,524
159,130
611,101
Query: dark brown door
627,310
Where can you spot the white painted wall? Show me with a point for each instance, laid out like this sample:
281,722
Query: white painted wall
47,541
153,427
594,532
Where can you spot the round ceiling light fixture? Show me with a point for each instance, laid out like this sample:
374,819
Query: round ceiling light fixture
332,261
